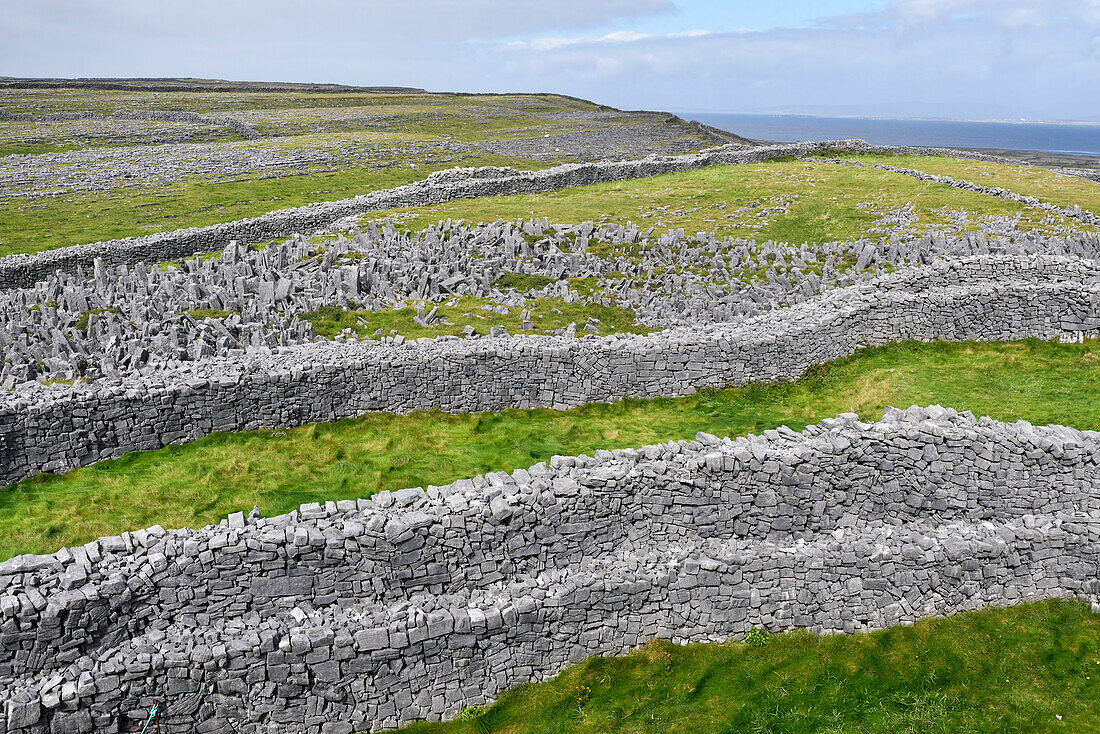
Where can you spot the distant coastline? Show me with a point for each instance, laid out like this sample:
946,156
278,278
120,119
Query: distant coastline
1060,138
1006,121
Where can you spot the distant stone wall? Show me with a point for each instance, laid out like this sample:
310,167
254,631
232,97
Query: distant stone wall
58,428
8,116
361,615
1072,212
25,270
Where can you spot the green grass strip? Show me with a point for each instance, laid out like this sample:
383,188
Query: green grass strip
1031,668
201,482
1043,184
34,225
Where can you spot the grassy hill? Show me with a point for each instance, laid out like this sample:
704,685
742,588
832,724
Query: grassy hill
93,173
811,200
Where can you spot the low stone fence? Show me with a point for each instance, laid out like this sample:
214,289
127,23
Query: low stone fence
359,615
58,428
1071,212
25,270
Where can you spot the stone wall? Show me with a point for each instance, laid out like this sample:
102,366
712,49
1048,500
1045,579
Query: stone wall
410,605
1073,212
25,270
57,428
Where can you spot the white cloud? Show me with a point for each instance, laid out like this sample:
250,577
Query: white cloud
369,21
1090,12
549,44
1007,13
406,42
953,62
972,58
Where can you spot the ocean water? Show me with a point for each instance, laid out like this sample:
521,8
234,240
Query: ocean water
1077,139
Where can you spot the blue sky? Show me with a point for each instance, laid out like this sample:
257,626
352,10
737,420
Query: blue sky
966,59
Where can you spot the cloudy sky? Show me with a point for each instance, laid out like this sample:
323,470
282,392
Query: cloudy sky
970,59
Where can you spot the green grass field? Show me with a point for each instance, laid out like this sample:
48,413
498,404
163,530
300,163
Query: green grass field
285,112
84,217
377,128
547,315
810,201
821,202
1028,669
1032,668
200,483
1055,188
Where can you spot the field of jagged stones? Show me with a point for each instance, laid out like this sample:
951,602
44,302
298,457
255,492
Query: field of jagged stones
600,334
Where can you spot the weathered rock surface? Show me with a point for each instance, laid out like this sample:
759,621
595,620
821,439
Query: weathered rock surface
130,320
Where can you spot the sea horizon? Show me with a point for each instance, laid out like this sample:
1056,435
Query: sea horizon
1064,138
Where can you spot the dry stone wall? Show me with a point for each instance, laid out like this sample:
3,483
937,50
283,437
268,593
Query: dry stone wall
58,428
364,614
141,319
1073,212
359,615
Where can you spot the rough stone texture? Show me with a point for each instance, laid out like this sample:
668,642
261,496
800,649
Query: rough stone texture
57,428
415,603
128,320
25,270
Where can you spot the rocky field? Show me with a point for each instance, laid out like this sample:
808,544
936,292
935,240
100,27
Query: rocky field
468,429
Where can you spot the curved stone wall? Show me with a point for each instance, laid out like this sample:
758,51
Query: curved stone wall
365,614
25,270
58,428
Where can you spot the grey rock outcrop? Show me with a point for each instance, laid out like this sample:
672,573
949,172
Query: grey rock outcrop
120,321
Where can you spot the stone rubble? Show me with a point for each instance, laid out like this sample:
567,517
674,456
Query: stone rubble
125,320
